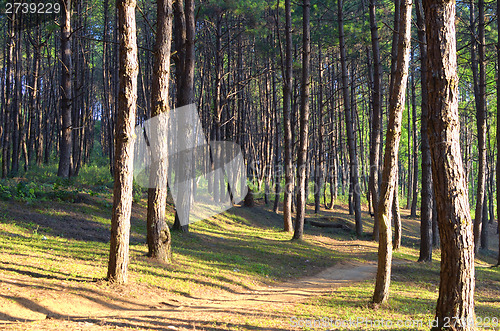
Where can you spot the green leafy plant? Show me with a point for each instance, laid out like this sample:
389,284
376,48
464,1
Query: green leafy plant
5,193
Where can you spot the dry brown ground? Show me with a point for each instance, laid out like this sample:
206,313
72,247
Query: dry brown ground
58,306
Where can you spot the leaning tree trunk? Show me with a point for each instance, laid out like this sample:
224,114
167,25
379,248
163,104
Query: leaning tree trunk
287,96
304,123
124,143
426,202
388,189
456,289
158,234
65,165
351,143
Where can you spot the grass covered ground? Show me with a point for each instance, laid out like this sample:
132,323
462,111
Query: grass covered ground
54,249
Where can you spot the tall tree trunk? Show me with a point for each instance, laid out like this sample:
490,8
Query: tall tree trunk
277,151
388,189
491,175
107,93
353,159
287,95
36,136
414,188
394,57
124,143
8,96
65,164
318,171
219,66
456,289
375,123
185,33
481,125
33,109
76,101
427,201
17,121
304,123
158,233
332,155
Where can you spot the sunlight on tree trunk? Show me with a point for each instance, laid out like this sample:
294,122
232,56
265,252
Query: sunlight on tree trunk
124,144
287,94
477,42
388,189
158,233
64,169
427,201
354,188
375,135
456,288
304,124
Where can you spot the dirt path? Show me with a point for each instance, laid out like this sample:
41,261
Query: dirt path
58,306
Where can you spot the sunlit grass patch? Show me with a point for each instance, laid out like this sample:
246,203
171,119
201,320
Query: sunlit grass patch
349,307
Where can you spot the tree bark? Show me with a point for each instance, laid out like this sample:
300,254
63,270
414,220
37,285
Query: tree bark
456,289
184,39
36,112
287,95
16,115
427,201
375,123
414,188
318,171
353,159
65,157
484,230
388,189
158,233
8,96
396,217
481,124
277,151
479,94
124,143
304,123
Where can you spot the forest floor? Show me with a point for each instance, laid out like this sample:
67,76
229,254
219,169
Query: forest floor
236,271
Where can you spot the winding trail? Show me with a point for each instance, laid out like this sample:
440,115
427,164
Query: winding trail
271,305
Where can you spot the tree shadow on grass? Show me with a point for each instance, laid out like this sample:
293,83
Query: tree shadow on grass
69,225
34,274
